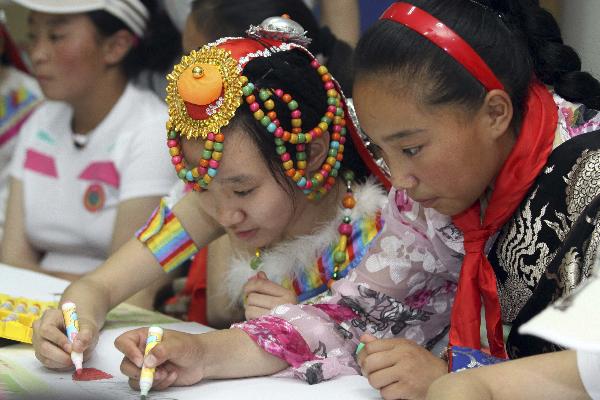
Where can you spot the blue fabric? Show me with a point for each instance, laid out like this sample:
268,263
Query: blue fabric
462,358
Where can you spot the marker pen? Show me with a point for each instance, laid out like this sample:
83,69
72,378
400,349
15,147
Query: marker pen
147,376
72,325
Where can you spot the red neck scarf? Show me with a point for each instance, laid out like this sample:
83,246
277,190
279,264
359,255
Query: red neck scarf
477,279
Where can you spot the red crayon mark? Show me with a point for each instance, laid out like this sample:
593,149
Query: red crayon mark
90,374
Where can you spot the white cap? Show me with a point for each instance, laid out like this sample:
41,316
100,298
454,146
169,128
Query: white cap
133,13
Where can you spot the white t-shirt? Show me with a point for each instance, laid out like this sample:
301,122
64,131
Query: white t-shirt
71,195
19,95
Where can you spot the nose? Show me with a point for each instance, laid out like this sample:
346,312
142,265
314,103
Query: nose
229,217
404,181
38,51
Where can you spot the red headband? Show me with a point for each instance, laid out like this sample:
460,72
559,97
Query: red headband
445,38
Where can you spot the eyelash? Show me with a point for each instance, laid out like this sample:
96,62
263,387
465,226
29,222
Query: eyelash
412,151
243,193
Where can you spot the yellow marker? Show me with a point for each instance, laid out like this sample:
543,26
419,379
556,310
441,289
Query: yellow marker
147,376
72,326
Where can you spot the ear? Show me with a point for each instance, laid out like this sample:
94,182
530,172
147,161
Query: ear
117,45
497,113
318,150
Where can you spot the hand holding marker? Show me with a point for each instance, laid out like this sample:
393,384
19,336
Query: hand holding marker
147,376
72,327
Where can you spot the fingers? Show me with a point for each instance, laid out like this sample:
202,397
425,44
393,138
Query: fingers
264,286
367,338
255,312
131,344
50,342
86,338
262,275
372,363
53,357
383,377
262,301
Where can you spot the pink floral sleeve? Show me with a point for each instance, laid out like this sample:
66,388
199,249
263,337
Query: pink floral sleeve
403,287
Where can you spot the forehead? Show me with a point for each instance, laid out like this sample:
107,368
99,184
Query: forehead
38,20
240,154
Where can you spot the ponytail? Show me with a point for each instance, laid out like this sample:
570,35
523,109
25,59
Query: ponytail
554,63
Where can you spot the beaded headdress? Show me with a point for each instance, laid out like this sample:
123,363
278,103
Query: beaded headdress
206,88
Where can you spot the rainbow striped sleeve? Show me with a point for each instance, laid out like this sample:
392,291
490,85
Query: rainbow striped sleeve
166,238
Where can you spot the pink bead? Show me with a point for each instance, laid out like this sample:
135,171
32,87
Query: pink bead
171,143
285,157
276,122
342,140
308,184
324,173
213,163
202,171
279,132
296,114
210,136
314,64
176,160
337,128
331,109
345,229
329,85
254,107
279,92
300,147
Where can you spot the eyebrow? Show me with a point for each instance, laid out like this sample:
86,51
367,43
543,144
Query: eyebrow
53,21
402,134
237,179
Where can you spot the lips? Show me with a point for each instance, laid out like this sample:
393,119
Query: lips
246,235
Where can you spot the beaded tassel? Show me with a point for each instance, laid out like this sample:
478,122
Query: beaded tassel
345,229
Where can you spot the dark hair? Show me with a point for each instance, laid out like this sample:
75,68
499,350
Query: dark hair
291,72
222,18
517,39
155,51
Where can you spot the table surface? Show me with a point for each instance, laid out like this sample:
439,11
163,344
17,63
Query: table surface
21,375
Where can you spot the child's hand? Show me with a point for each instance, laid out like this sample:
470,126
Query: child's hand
177,358
399,368
262,295
51,345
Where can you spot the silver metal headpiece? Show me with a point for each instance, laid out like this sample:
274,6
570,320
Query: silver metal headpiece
280,28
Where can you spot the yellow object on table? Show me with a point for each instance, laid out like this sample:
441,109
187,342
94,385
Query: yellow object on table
17,315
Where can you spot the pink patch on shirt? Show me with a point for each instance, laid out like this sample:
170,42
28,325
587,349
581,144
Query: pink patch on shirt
102,171
41,163
337,312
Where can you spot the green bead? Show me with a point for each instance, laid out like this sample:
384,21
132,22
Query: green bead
248,89
327,120
301,138
265,121
279,142
172,135
339,111
255,262
347,220
348,175
334,173
332,152
218,146
301,156
264,94
332,101
292,105
182,173
280,150
206,154
339,257
343,131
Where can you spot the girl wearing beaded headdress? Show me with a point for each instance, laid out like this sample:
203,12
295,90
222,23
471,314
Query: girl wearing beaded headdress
497,173
260,135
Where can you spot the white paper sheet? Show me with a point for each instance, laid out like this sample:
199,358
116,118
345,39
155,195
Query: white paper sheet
20,364
574,323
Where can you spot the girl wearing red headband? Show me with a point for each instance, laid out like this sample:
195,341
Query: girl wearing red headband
484,115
